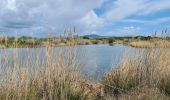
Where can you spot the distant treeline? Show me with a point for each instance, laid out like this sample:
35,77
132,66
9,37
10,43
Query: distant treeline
27,41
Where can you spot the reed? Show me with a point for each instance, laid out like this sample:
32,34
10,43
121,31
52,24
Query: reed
56,77
151,44
143,69
142,74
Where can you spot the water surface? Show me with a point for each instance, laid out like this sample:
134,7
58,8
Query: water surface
95,59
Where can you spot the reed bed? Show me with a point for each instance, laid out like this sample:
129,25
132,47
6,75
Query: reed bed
57,77
150,44
142,75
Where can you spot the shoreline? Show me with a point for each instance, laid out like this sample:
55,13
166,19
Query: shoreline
134,44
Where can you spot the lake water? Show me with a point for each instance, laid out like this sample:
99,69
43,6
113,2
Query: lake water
96,59
102,58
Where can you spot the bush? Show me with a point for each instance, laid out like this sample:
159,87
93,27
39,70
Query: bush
111,41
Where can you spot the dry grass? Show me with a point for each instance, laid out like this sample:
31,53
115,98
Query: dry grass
151,44
144,68
142,75
141,44
2,46
144,93
58,78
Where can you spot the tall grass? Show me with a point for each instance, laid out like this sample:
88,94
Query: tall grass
141,70
57,77
56,80
47,74
151,44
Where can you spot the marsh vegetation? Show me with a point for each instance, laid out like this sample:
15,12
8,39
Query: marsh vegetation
144,74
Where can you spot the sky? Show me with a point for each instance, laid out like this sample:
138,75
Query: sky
102,17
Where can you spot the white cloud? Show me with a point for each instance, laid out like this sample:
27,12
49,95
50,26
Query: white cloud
153,21
130,29
20,15
90,22
124,31
38,16
122,9
155,6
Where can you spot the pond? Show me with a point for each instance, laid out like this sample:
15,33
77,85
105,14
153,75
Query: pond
95,59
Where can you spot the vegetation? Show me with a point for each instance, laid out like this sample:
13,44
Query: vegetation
141,75
151,43
69,37
58,79
61,41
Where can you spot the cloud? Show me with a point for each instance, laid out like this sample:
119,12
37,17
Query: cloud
154,6
90,22
153,21
124,31
40,16
130,29
122,9
32,14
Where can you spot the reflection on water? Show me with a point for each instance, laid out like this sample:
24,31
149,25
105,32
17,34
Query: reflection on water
95,59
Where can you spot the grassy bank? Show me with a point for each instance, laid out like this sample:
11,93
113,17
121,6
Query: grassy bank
150,44
32,42
144,75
